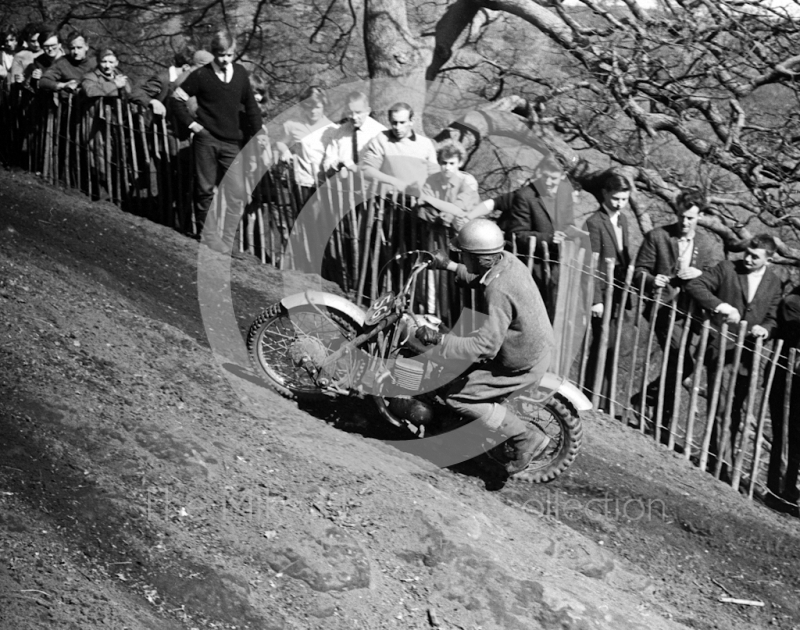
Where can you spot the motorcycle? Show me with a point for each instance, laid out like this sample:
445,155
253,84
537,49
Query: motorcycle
315,345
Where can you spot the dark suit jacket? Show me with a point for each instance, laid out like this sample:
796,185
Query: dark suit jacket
533,215
659,255
727,282
603,240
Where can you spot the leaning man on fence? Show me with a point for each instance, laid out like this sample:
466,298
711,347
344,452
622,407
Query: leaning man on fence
733,291
669,258
65,74
399,156
223,90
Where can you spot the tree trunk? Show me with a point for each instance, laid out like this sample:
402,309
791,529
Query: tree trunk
396,59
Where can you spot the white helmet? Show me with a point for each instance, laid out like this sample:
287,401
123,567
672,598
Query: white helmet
480,236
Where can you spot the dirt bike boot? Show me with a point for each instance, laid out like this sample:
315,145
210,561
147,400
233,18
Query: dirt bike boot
525,442
415,411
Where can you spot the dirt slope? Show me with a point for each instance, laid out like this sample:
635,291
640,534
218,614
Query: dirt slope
146,482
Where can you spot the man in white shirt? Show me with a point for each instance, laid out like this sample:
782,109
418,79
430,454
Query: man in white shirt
671,256
745,289
349,141
302,142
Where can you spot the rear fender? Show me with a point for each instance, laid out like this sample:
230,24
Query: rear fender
322,299
555,384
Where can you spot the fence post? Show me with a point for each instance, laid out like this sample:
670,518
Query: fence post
662,377
593,262
612,387
47,166
148,165
724,440
376,250
546,275
701,351
744,429
135,170
362,277
635,351
648,351
676,401
566,294
56,164
713,392
608,303
762,414
787,403
123,149
171,203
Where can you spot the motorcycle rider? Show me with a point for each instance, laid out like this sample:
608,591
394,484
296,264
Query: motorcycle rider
510,350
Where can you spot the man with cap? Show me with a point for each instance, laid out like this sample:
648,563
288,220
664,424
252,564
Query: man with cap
510,348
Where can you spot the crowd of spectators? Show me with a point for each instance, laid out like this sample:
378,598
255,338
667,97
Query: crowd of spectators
216,107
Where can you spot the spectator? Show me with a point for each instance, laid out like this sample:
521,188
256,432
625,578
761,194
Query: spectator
302,142
450,192
735,290
199,59
446,197
222,88
500,207
66,73
349,141
50,42
668,259
105,79
608,235
784,486
159,87
9,36
30,51
537,210
399,157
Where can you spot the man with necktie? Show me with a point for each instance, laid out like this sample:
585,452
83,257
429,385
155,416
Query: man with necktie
733,291
671,256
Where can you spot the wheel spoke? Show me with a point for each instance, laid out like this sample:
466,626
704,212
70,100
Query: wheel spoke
275,340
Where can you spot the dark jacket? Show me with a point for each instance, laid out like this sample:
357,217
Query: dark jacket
603,240
532,214
659,255
727,282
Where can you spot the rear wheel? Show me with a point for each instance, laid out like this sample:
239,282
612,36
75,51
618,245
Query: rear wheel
562,424
286,344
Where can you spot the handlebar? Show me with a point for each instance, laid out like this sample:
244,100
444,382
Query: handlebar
405,255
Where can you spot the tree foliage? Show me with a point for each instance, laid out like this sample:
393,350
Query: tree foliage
697,93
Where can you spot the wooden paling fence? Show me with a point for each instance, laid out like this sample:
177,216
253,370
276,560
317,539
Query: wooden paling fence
112,149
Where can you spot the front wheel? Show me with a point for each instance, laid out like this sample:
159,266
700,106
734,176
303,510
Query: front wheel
562,424
285,345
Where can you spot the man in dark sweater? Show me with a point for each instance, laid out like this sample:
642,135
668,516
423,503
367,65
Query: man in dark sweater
65,74
222,89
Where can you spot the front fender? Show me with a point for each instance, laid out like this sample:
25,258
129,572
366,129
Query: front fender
558,384
323,299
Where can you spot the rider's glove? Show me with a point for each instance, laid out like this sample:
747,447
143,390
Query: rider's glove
441,258
428,336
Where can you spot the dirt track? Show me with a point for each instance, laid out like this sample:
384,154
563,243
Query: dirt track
139,488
